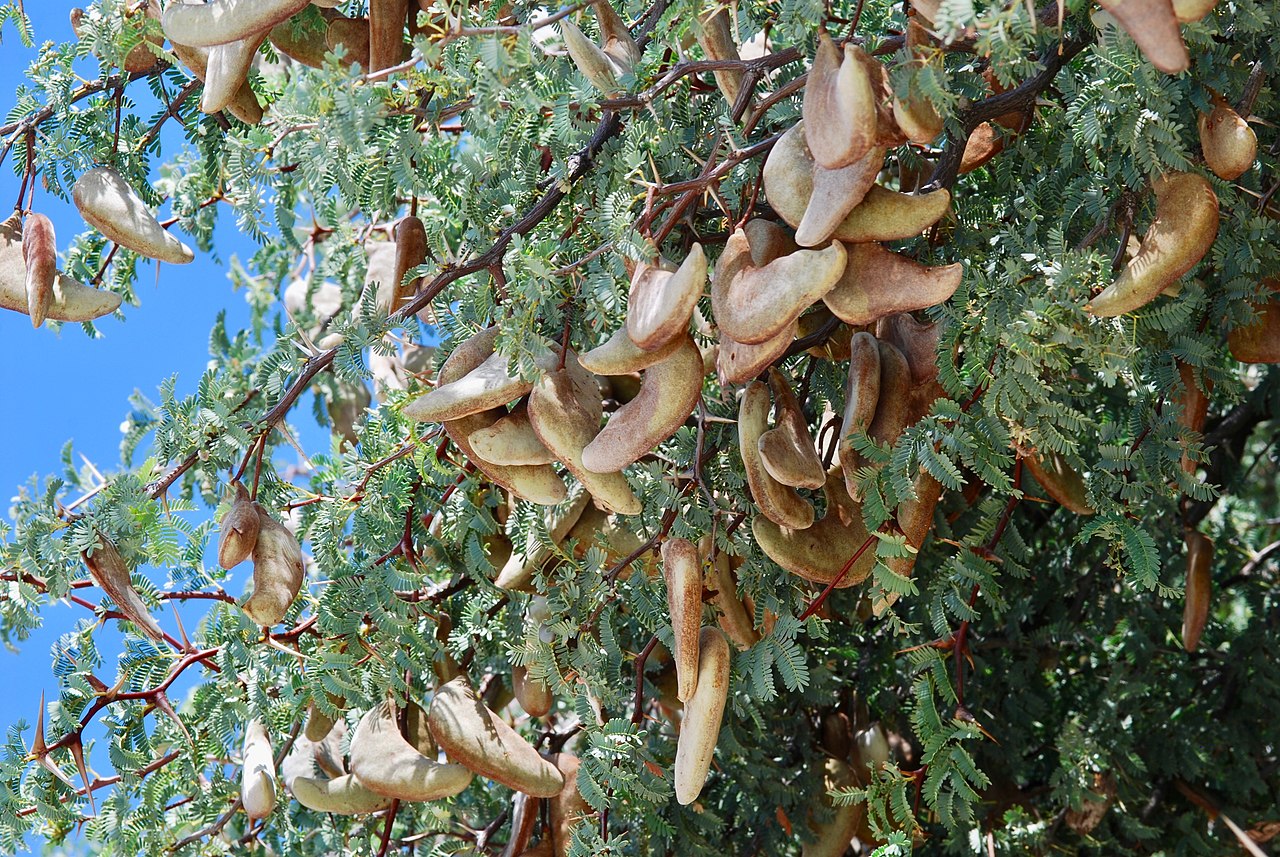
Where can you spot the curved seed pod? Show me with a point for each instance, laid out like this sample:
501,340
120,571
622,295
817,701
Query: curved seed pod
534,696
767,241
537,483
1194,406
714,34
682,571
1259,342
277,571
40,254
835,194
760,302
703,713
1229,144
668,394
832,838
787,451
352,35
386,33
873,746
733,619
302,45
779,503
474,736
599,529
1189,11
918,118
1153,25
108,570
886,215
487,386
619,355
67,301
1199,589
918,342
227,71
1185,227
341,795
837,735
737,362
511,441
327,752
519,569
797,187
238,532
318,724
984,143
384,762
108,204
877,282
820,553
661,302
615,37
568,808
1061,481
596,66
524,815
258,775
861,395
223,21
915,519
565,410
410,238
839,105
244,107
893,406
140,58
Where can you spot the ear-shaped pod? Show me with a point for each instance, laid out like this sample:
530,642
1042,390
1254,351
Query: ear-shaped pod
277,571
108,204
1060,481
537,483
342,795
385,763
534,696
839,105
565,408
519,569
877,282
352,35
682,570
787,451
915,519
668,394
918,342
244,106
474,736
258,774
1228,143
303,46
40,256
832,838
733,619
619,355
596,65
223,21
737,362
616,39
1259,342
886,215
510,441
238,532
62,300
488,385
1199,589
778,502
386,32
108,570
810,197
227,71
703,713
758,243
1153,25
819,552
893,407
715,35
1184,229
661,302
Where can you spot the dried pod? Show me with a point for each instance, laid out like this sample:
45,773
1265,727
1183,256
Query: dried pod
596,66
568,808
565,409
1153,25
1185,227
487,386
703,712
474,736
619,355
524,816
778,502
1194,408
386,33
715,35
877,283
839,105
809,197
918,342
668,395
141,57
67,300
1189,11
109,572
352,36
258,774
40,254
1228,143
519,569
510,441
893,405
886,215
614,36
832,838
682,571
661,302
861,395
1259,342
737,362
341,795
383,761
410,238
238,532
346,406
227,70
534,696
915,520
787,451
733,619
299,42
223,21
277,571
1061,481
1199,588
108,204
821,552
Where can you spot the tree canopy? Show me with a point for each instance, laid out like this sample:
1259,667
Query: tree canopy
770,428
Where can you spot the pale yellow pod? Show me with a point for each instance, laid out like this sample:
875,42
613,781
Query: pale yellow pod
227,71
734,619
383,761
1229,144
108,204
619,355
596,65
511,441
804,194
258,773
487,386
703,713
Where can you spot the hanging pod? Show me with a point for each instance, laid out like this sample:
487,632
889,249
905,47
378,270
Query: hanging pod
534,696
733,617
861,395
682,571
877,282
887,215
108,204
277,571
258,773
778,503
383,761
1153,26
223,21
40,255
568,808
715,35
1229,144
1259,342
832,838
703,714
787,450
839,105
619,355
109,572
760,243
25,286
228,70
238,532
661,302
1199,589
511,441
1060,481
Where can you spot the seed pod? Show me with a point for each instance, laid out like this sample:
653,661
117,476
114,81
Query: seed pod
1259,342
489,385
386,33
1185,227
346,406
733,619
1194,408
915,519
661,302
778,502
258,774
619,355
108,204
1199,588
66,299
839,105
715,35
342,795
861,395
534,696
787,451
567,809
1228,143
524,816
1189,11
520,568
228,70
810,198
1153,25
385,763
737,362
596,66
511,441
474,736
703,713
682,571
108,570
40,253
305,45
877,283
223,21
873,746
1061,481
886,215
352,36
277,571
832,838
239,530
411,251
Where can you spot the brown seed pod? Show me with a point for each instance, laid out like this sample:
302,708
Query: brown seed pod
487,386
839,105
341,795
384,761
886,215
918,342
787,451
517,573
733,619
352,35
227,70
619,355
893,405
861,394
386,33
1199,588
569,808
1194,406
511,441
682,571
1228,143
661,302
596,66
108,204
300,43
238,532
820,552
877,283
715,35
410,238
832,838
703,713
244,107
1259,342
277,571
140,58
223,21
737,362
778,503
1060,481
40,254
1153,25
534,696
67,300
108,570
915,520
524,816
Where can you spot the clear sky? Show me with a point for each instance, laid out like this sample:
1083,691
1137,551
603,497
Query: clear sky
56,387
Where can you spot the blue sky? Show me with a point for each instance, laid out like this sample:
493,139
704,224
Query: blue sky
63,386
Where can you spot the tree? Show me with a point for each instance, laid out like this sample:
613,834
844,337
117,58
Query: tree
1019,338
